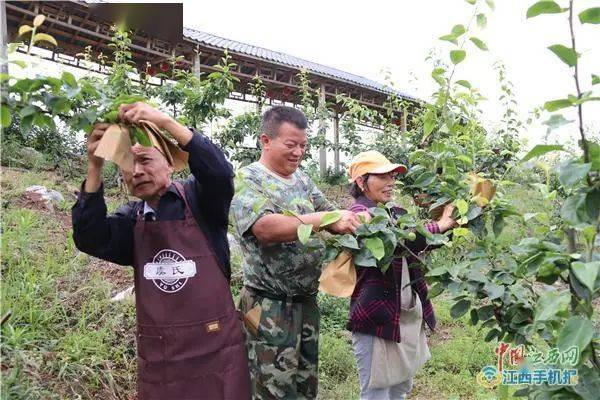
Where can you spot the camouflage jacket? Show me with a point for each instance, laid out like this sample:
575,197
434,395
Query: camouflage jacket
278,268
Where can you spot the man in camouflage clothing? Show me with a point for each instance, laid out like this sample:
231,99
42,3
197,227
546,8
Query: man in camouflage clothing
280,274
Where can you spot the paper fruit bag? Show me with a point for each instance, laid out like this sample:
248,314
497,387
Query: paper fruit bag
339,276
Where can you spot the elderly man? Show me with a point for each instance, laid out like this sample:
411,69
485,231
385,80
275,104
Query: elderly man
280,274
190,341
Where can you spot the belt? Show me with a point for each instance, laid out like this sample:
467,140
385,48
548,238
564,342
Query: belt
296,298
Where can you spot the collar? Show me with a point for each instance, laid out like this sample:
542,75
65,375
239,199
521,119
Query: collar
288,181
147,209
365,201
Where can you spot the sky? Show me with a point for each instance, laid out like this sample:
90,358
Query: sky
365,37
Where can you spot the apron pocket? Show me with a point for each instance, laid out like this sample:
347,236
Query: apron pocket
151,357
195,351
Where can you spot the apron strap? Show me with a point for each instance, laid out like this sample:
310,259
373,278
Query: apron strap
181,190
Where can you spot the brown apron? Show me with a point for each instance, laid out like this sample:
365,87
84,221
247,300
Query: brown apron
190,342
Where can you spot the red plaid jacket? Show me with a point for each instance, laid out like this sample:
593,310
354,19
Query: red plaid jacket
375,303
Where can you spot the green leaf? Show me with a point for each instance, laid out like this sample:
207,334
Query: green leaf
577,331
464,83
566,54
348,241
498,225
540,150
486,312
457,56
140,136
20,63
304,231
491,4
474,317
590,16
474,211
458,30
574,209
39,20
364,258
557,104
375,245
428,126
491,335
471,2
458,232
595,79
5,116
26,123
481,20
462,206
437,271
29,110
43,120
437,239
435,291
330,218
556,121
543,7
551,303
69,79
425,179
479,43
594,150
494,291
586,273
460,308
23,29
44,37
449,38
572,172
592,199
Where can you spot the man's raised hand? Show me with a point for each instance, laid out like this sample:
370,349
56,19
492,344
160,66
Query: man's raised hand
346,224
135,112
92,144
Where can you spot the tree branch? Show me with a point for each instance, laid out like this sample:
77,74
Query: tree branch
584,144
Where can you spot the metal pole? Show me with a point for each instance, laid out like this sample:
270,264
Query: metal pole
336,141
322,125
3,33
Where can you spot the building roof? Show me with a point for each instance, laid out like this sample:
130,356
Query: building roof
209,39
288,60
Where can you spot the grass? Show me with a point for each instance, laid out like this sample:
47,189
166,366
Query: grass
458,354
66,339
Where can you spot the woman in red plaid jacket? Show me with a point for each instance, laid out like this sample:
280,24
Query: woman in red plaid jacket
386,362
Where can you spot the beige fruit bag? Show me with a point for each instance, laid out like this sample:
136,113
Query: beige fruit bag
339,276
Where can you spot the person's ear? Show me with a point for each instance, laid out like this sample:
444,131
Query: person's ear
265,141
360,181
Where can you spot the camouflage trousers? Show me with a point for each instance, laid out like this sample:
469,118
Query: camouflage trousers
283,355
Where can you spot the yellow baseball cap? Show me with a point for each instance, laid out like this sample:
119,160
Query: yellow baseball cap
373,162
